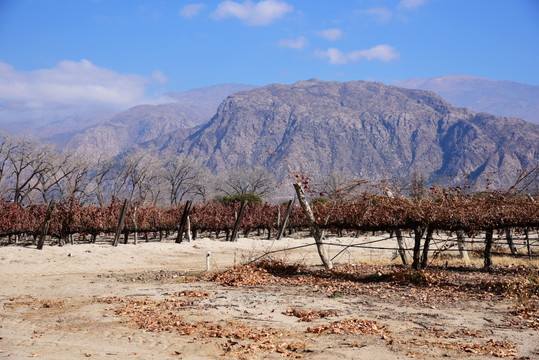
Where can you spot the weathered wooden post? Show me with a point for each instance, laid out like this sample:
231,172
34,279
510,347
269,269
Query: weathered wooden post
425,257
234,236
488,249
135,227
418,234
285,220
121,223
188,230
46,225
183,221
526,234
315,230
402,250
510,243
463,251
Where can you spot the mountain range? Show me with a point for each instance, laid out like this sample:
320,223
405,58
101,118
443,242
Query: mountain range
502,98
147,122
368,129
365,129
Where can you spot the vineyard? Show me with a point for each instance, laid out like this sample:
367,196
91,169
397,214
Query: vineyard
155,299
445,211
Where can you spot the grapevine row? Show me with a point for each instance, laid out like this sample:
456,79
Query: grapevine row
470,214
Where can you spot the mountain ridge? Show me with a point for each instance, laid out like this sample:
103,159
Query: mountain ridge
500,97
367,128
143,123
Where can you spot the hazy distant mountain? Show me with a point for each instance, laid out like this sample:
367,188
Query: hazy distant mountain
366,128
502,98
49,124
146,122
210,96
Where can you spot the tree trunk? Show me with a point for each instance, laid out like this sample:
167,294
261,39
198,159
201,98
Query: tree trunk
315,230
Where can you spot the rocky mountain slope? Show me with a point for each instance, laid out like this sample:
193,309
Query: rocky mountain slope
503,98
146,122
369,129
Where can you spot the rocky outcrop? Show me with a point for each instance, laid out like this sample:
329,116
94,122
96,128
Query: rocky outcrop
365,128
147,122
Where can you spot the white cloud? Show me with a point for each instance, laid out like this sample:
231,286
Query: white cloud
382,14
299,43
191,10
159,77
411,4
261,13
384,53
335,56
72,83
331,34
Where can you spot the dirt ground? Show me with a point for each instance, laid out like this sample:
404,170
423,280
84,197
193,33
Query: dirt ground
157,301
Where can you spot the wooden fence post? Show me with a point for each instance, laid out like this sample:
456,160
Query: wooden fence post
315,230
285,219
121,223
46,225
234,236
183,222
488,249
189,236
510,243
463,251
418,234
526,234
425,257
402,250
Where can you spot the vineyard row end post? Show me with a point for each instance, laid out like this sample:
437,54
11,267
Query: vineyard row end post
316,232
285,219
46,224
121,223
183,221
234,236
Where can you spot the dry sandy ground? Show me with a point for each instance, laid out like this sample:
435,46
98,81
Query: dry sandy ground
88,301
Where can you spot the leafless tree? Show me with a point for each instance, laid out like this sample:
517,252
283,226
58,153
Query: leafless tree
258,181
29,159
76,175
184,177
142,174
104,169
338,185
5,148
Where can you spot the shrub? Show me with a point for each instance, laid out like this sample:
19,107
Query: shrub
249,198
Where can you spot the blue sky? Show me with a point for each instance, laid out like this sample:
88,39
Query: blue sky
122,52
